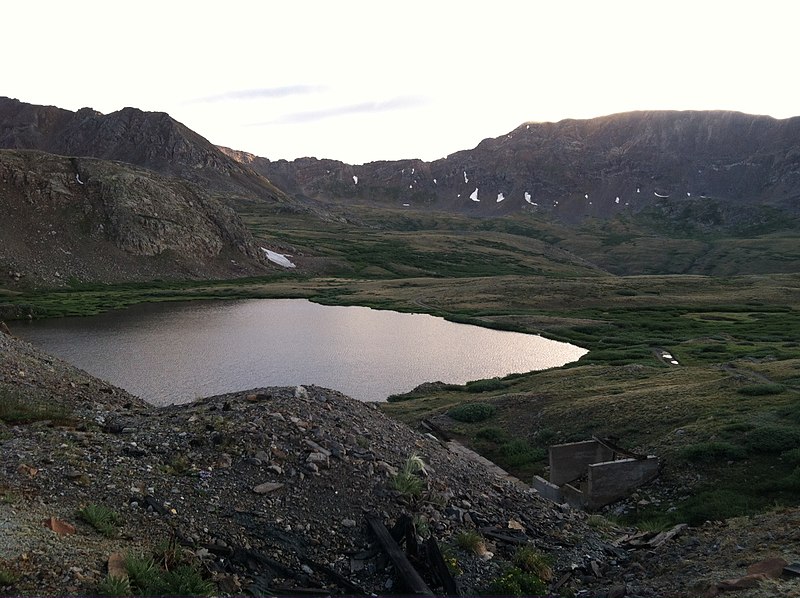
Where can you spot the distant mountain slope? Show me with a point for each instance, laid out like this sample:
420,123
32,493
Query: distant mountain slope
726,164
152,140
95,220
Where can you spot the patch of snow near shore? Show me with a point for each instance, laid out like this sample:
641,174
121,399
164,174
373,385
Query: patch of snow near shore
278,258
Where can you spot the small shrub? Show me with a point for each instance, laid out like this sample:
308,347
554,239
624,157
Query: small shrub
519,452
469,540
772,439
472,412
759,390
178,465
101,518
516,582
712,452
531,560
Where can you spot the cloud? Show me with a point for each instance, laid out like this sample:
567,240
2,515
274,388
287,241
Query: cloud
399,103
263,93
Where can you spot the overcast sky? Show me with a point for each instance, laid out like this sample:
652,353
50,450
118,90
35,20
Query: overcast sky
375,80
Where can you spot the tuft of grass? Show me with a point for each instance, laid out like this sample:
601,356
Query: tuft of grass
101,518
147,578
469,540
17,409
533,561
115,586
178,465
407,482
472,412
142,571
185,580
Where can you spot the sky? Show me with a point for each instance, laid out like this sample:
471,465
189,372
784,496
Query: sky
360,81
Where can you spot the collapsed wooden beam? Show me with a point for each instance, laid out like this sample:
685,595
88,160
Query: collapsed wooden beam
406,573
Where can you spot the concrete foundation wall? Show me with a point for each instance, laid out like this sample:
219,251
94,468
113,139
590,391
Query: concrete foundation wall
570,461
613,480
547,490
573,496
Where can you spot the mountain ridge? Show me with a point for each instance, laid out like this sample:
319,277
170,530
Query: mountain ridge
152,140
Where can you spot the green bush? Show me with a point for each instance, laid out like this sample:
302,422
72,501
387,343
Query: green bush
772,439
712,452
472,412
519,452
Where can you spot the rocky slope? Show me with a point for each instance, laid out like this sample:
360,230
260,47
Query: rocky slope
95,220
726,164
267,491
152,140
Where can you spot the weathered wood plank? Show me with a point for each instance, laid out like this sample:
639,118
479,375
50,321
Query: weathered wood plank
408,576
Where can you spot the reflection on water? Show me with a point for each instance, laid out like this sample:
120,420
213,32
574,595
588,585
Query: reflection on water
173,353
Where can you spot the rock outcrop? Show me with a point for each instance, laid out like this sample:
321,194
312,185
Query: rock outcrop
95,220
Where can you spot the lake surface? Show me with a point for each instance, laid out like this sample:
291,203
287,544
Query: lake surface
174,353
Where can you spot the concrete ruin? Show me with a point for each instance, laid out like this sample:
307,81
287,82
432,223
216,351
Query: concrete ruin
590,474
